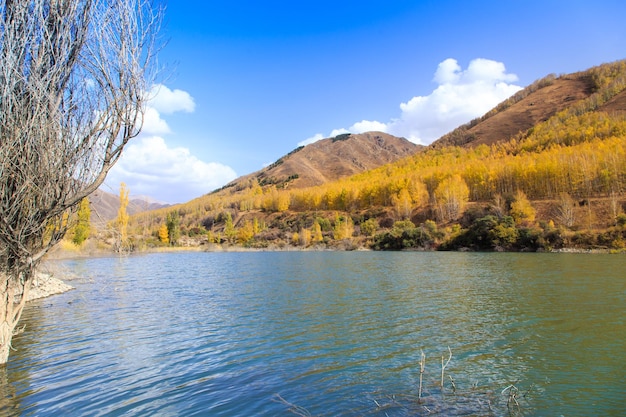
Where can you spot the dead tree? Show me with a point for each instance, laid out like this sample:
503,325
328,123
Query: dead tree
74,77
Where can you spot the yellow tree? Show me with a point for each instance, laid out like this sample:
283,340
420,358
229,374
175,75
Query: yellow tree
344,227
122,218
246,232
419,193
164,236
317,235
295,238
402,204
521,210
451,195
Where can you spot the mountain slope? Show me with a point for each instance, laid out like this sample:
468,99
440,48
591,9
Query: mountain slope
536,103
330,159
104,206
616,105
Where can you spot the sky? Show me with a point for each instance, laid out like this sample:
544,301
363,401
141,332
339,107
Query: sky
243,83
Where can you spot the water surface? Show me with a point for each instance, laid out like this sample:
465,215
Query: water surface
326,333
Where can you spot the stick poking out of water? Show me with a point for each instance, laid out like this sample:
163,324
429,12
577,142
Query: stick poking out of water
443,367
422,365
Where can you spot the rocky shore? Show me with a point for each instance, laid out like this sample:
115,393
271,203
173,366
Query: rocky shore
44,285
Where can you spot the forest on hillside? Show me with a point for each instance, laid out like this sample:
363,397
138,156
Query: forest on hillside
559,184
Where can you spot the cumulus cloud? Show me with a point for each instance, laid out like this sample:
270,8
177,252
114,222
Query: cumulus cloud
167,101
312,139
460,96
153,124
148,166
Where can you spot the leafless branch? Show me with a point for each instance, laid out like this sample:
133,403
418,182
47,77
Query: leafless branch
74,79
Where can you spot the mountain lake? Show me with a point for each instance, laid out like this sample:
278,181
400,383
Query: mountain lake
326,334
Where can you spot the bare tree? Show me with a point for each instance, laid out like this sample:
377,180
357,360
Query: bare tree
565,210
74,77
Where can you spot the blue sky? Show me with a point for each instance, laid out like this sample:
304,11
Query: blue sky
246,82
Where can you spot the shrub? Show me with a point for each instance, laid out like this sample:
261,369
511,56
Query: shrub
369,227
521,209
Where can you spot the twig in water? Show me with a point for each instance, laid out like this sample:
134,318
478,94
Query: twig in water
295,409
422,364
443,367
513,391
453,384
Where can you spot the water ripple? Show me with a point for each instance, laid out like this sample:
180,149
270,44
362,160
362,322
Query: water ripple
339,334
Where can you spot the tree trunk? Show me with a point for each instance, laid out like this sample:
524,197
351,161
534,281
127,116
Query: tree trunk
13,294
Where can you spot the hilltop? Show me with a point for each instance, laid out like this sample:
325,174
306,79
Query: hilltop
330,159
543,170
104,206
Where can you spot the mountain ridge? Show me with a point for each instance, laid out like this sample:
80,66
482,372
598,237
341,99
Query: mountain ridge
330,159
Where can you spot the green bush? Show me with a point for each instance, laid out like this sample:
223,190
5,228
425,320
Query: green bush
369,227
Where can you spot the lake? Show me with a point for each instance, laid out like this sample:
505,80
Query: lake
326,334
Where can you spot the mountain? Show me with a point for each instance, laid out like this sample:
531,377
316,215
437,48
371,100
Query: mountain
331,159
534,104
104,206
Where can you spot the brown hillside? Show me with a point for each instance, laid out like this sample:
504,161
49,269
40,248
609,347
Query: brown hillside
617,105
332,158
538,104
104,206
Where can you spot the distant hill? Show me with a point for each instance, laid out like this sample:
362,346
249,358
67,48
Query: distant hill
331,159
104,206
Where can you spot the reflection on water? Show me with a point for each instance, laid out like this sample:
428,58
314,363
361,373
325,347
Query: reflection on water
237,334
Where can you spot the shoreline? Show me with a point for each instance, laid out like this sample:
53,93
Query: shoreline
45,284
215,248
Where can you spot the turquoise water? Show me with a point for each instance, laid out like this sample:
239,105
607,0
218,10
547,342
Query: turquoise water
326,334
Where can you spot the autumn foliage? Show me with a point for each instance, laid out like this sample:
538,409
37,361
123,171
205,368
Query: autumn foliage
551,174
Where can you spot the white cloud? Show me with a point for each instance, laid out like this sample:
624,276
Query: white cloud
310,140
319,136
162,100
149,167
368,126
153,124
168,101
461,95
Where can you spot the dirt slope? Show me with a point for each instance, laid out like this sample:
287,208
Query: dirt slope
333,158
536,107
617,105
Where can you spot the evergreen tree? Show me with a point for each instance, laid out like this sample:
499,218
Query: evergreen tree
173,227
229,229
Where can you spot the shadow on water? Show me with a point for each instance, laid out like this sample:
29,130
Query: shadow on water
15,381
9,401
